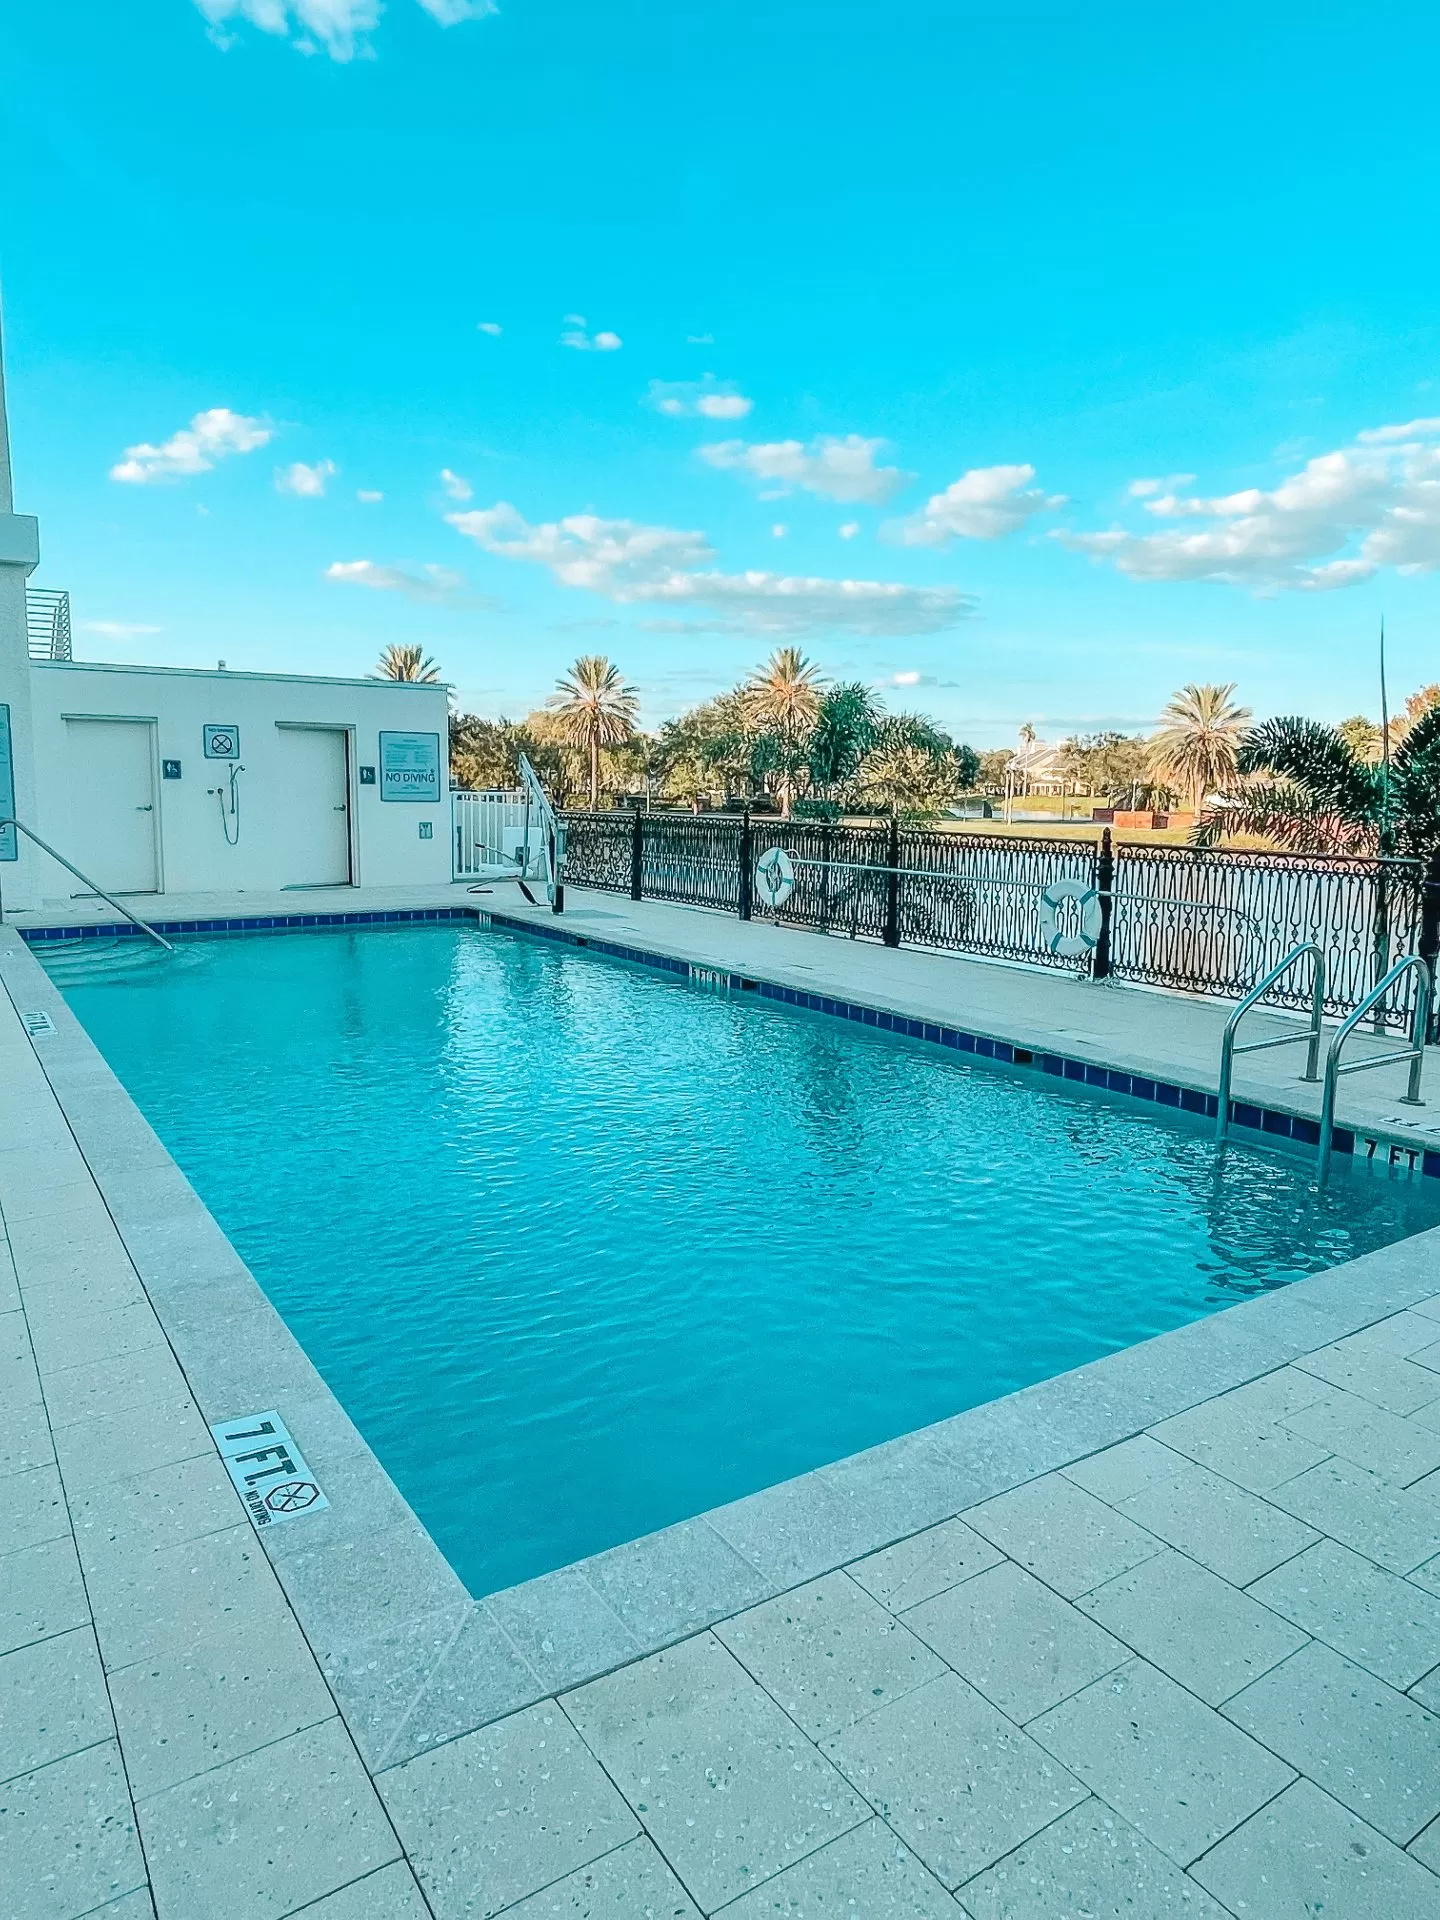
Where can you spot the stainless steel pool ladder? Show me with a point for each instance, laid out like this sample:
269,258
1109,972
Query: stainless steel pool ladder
99,892
1229,1049
1414,1053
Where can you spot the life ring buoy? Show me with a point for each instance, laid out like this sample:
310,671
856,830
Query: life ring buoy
1070,946
775,877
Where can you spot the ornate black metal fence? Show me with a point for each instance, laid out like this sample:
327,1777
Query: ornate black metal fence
1200,921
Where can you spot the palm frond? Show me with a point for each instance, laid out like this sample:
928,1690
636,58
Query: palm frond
1319,760
1288,813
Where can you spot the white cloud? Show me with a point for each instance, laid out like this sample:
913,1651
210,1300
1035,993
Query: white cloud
337,26
849,529
628,563
1145,489
492,327
779,530
370,495
430,583
456,485
699,339
839,467
984,504
1333,523
210,436
711,399
575,335
116,629
905,679
309,481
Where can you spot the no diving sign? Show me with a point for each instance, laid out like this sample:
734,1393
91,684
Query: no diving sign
268,1469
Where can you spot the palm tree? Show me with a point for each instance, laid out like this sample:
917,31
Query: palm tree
406,663
1306,786
595,709
783,698
1195,748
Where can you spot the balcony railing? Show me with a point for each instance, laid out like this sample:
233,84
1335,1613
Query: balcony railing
47,623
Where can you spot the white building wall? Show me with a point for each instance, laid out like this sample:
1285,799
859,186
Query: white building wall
192,853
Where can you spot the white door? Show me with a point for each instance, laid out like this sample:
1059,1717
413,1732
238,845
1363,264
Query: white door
111,764
315,791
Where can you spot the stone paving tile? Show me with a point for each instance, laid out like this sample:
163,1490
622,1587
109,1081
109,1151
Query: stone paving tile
378,1681
1371,1748
668,1584
1067,1537
76,1340
263,1835
1234,1533
924,1565
960,1784
632,1883
1120,1471
333,1587
32,1510
689,1729
867,1874
182,1712
95,1453
171,1600
165,1507
53,1695
24,1439
1022,1646
828,1654
1304,1855
1397,1527
1169,1765
67,1838
1425,1847
1193,1625
1238,1445
19,1382
800,1528
479,1678
1372,1617
1397,1335
390,1894
148,1378
562,1628
1382,1443
41,1593
130,1906
503,1812
1090,1865
1395,1384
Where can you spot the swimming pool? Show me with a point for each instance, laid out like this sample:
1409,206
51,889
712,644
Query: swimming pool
584,1249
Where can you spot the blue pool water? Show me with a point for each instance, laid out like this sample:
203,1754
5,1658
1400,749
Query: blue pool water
584,1249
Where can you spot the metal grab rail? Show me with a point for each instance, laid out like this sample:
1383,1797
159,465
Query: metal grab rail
1228,1048
1414,1053
70,867
554,833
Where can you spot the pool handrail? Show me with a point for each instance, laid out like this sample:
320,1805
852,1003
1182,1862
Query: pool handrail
1229,1047
1414,1053
70,867
554,831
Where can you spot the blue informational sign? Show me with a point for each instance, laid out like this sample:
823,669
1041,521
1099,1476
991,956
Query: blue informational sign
9,839
410,766
221,743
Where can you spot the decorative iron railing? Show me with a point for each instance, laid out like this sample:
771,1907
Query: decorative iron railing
1200,921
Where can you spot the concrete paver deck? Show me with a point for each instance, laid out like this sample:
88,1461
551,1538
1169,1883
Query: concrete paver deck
1159,1637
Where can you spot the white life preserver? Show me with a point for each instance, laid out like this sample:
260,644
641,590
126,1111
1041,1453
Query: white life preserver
1070,946
775,878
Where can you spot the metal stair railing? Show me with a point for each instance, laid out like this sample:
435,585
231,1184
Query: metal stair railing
108,898
1414,1053
1229,1047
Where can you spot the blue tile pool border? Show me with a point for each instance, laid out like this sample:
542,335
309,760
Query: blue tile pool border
1273,1121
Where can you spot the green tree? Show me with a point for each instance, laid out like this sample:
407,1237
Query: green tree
782,703
398,662
913,768
1195,748
594,710
1304,786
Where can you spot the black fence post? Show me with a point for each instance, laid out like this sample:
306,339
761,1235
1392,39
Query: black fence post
637,854
891,934
1105,887
1429,946
747,864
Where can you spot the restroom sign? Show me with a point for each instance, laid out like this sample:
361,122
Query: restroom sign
267,1468
221,743
410,766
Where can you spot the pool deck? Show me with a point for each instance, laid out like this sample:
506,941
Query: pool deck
1160,1636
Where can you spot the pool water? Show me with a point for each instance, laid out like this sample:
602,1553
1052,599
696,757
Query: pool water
585,1249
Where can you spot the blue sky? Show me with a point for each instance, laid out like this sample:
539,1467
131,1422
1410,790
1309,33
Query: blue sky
1025,361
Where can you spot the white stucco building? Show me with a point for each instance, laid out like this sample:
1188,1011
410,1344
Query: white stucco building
170,780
